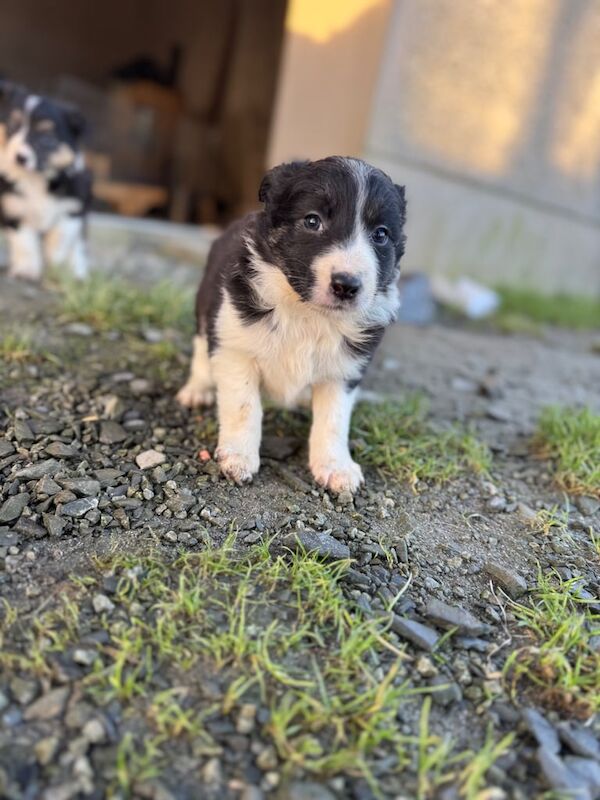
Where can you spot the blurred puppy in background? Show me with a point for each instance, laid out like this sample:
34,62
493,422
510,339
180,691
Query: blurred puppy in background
296,297
45,188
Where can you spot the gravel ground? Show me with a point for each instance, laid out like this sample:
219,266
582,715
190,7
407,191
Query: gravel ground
96,458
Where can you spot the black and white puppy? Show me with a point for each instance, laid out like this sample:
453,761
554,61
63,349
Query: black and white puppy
45,188
296,297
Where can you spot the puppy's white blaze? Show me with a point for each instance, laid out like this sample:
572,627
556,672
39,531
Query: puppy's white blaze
356,257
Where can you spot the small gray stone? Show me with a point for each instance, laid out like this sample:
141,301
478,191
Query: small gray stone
54,525
6,448
79,329
101,604
496,503
108,476
49,705
580,741
445,691
560,777
61,450
417,633
541,730
586,768
13,507
23,432
84,657
140,386
81,486
212,774
47,486
46,749
23,690
527,513
345,498
94,731
252,793
77,508
454,617
49,466
29,528
149,459
246,719
322,544
513,583
587,505
304,790
112,433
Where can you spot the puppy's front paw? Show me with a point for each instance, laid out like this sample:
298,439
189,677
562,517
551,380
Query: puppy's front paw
238,467
338,475
192,395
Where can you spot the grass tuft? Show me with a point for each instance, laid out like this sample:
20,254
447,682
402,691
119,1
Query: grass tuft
521,310
16,348
108,302
571,438
271,630
397,438
558,664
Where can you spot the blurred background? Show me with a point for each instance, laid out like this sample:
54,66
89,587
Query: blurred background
488,111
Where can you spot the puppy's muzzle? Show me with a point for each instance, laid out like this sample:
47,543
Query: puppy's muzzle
345,286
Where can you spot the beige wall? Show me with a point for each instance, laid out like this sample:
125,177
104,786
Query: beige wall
488,110
328,74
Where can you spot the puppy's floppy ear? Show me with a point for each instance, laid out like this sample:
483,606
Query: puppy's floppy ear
75,121
276,178
8,90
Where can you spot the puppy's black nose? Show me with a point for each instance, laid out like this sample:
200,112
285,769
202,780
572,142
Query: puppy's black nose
21,159
344,285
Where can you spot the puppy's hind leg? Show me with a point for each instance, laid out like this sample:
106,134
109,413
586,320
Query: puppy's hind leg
199,389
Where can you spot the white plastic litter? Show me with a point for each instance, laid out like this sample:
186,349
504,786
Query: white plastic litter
466,295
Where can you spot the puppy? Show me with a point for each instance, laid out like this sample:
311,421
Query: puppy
45,189
295,297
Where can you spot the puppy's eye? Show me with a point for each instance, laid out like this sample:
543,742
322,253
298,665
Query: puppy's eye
313,222
380,235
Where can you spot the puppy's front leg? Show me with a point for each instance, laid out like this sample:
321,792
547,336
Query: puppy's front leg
240,414
24,253
330,461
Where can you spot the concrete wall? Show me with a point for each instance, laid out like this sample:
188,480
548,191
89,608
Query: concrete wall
328,75
488,110
490,113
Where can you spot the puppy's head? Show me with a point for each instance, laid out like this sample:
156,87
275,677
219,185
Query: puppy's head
40,134
335,229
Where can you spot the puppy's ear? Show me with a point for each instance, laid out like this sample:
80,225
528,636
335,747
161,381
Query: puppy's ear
277,178
75,121
401,190
7,90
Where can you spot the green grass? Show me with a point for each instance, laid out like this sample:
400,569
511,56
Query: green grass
16,348
557,665
273,630
522,310
397,438
571,439
107,302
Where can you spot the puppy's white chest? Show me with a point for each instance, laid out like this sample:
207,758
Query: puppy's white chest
34,205
291,350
